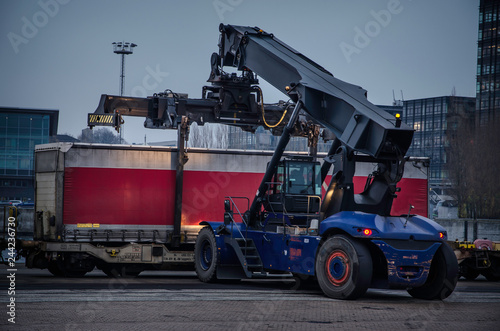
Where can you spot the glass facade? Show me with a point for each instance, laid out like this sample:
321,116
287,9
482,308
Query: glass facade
20,131
263,140
488,62
431,119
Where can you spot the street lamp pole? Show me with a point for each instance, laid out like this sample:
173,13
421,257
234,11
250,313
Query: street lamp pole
123,48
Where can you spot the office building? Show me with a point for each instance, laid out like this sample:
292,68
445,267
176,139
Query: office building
20,130
488,63
433,119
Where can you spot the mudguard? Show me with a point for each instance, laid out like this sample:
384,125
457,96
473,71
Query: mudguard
416,228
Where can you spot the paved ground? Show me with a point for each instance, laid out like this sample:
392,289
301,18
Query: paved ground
176,301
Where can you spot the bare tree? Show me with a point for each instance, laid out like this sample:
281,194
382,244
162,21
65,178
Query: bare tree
473,162
100,135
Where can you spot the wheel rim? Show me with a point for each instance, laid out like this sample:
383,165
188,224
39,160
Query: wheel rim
337,268
206,255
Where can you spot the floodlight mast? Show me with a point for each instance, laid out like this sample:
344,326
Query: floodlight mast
123,48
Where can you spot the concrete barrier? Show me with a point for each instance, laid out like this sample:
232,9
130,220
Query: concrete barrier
469,229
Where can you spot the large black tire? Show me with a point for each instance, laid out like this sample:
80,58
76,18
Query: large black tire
344,268
442,278
205,255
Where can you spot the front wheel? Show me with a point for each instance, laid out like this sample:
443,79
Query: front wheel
205,255
442,277
343,268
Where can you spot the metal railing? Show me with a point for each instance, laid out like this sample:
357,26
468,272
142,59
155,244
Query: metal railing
233,207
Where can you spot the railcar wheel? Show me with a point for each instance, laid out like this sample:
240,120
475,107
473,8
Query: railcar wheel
205,255
343,268
110,272
442,278
54,269
492,274
67,265
468,272
120,270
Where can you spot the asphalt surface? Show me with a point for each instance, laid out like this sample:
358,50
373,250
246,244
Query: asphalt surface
177,300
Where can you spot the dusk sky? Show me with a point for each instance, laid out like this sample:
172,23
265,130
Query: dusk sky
57,54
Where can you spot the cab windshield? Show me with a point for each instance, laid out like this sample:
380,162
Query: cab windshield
298,178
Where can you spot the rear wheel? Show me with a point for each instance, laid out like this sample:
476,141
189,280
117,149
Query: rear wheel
205,255
442,277
343,267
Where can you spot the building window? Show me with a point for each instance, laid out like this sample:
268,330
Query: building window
417,110
487,17
409,111
497,102
428,125
427,142
428,109
486,51
437,124
485,104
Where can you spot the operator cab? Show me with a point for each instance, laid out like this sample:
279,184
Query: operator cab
296,187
